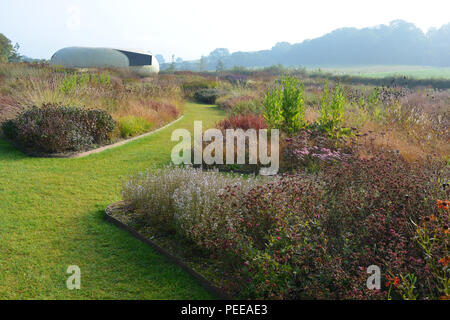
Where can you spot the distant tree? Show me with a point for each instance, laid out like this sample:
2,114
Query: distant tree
14,55
219,53
186,65
202,66
399,42
6,48
220,67
179,60
160,58
172,66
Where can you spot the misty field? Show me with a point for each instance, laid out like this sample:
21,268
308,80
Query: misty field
394,70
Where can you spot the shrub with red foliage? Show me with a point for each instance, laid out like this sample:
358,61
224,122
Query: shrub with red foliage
245,122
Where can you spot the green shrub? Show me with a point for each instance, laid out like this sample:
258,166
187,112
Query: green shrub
132,126
208,96
69,83
332,112
9,128
284,105
53,128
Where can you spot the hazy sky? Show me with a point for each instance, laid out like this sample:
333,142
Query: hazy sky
190,29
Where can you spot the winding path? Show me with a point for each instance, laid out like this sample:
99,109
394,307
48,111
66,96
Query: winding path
51,217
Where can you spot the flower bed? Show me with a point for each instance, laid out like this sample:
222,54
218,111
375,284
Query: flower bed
302,236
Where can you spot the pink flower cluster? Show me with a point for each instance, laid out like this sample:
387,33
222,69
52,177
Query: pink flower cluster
323,154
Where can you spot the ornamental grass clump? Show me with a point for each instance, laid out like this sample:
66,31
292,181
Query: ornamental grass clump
195,205
180,199
149,194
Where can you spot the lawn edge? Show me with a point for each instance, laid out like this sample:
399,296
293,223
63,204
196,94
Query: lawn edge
121,143
204,282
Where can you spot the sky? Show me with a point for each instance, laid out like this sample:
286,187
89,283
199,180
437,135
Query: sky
190,29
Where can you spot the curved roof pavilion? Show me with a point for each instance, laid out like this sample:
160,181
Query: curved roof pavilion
143,63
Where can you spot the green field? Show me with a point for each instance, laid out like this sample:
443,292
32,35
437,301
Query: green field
51,216
419,72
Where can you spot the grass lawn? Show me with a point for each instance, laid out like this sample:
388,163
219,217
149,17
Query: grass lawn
419,72
51,216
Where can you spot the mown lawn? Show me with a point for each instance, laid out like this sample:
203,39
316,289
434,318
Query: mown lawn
51,216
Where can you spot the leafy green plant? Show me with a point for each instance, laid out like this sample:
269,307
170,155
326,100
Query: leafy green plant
69,83
332,111
284,105
101,79
73,81
374,105
273,105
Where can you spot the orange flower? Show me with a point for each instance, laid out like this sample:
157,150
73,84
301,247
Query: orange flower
396,282
443,204
444,261
389,280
